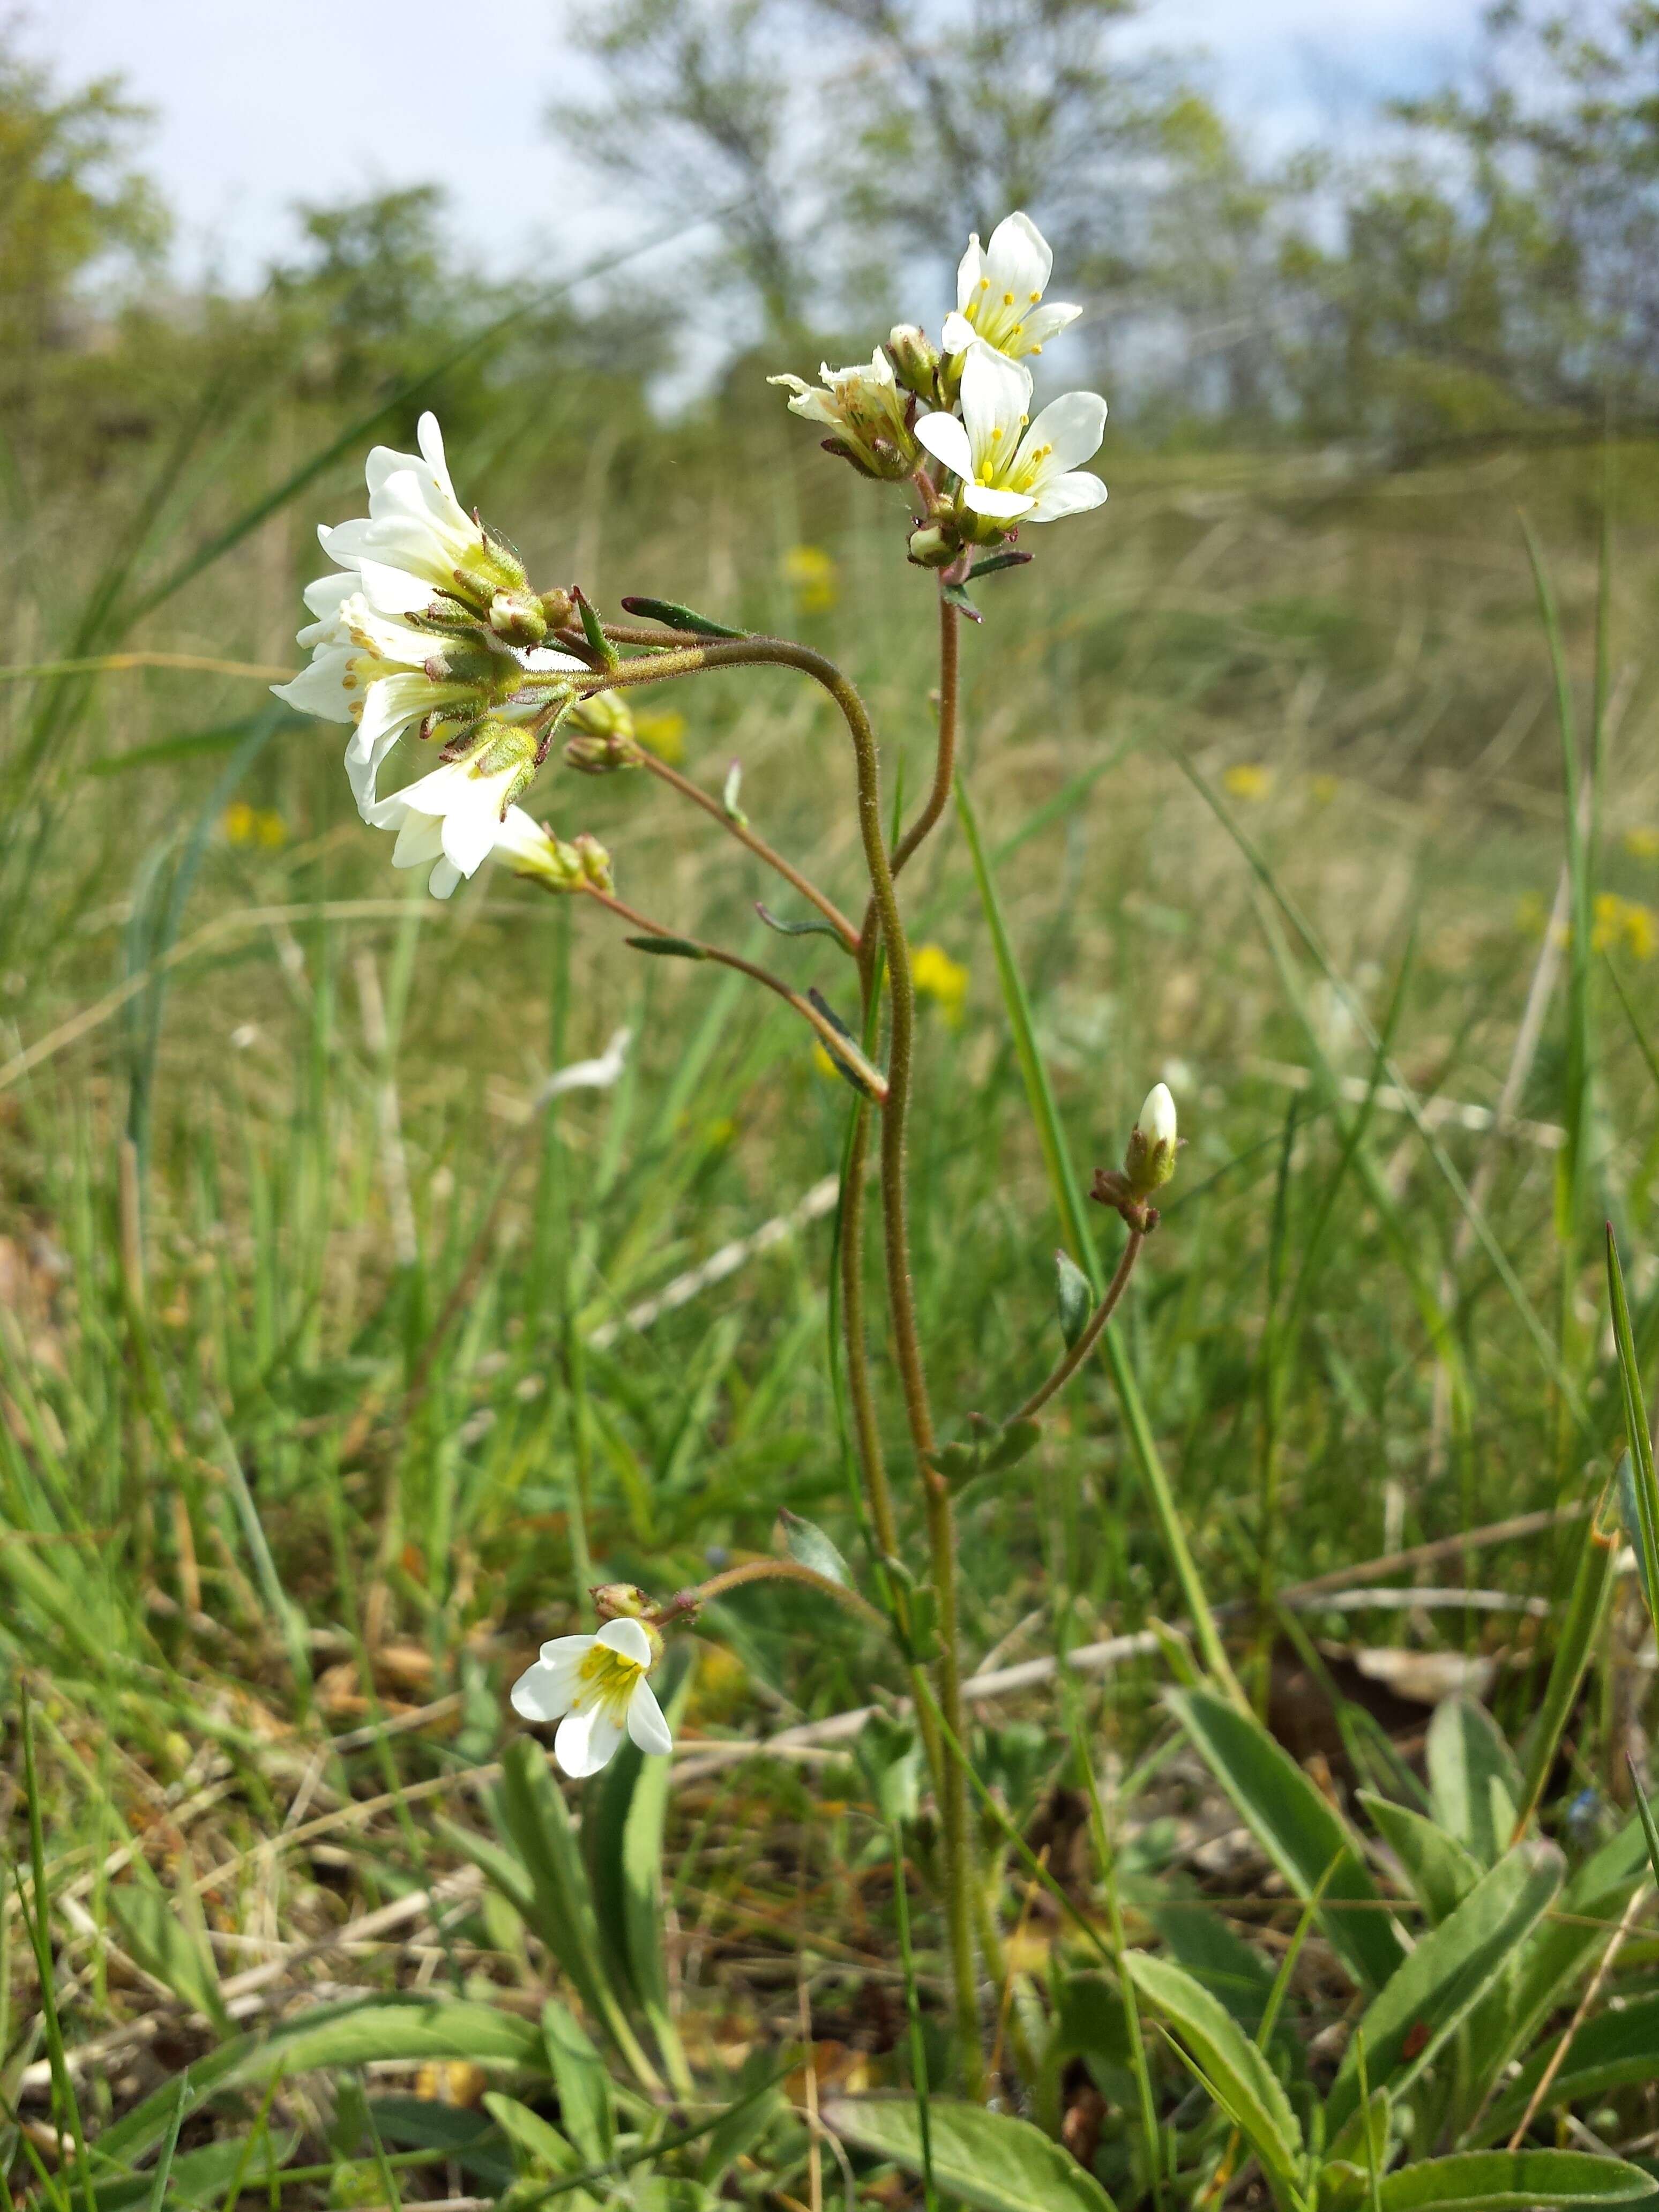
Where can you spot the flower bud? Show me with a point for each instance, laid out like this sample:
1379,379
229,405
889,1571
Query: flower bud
517,618
1149,1159
933,546
594,862
915,358
558,608
600,755
628,1601
603,714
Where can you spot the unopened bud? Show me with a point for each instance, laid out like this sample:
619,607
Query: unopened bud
628,1601
603,714
1149,1159
517,618
915,358
594,862
558,608
600,755
932,547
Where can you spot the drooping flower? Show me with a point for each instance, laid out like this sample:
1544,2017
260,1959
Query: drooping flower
457,816
864,410
1013,469
595,1687
999,292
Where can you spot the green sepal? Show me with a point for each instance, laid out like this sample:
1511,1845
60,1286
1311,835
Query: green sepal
672,615
954,596
672,948
956,1462
600,644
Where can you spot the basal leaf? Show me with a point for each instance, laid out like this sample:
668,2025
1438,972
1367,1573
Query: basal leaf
987,2159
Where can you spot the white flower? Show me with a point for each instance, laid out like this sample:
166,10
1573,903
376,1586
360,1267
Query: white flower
417,530
1011,472
863,407
1158,1115
375,669
463,812
1000,293
594,1687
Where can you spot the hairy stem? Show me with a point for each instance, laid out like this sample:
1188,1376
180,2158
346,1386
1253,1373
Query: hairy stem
759,1570
758,846
834,1041
762,651
945,760
1085,1343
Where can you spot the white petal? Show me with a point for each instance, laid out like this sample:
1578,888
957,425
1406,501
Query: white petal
1073,425
420,839
320,689
947,441
444,879
1048,321
559,1650
970,270
1072,495
544,656
1000,506
469,832
957,335
385,461
330,594
995,394
1018,260
540,1693
627,1638
431,439
645,1722
586,1741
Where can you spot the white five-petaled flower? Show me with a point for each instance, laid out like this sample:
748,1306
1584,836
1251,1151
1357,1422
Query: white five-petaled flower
595,1687
1000,293
1013,469
864,408
463,812
417,529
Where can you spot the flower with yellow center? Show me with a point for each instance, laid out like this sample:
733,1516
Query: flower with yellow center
864,410
595,1687
999,292
1013,469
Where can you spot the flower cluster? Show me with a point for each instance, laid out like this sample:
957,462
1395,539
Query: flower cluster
428,625
965,406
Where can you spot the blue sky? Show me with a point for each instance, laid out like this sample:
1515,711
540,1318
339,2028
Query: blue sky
258,106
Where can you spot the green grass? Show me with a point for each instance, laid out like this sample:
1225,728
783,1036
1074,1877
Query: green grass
316,1385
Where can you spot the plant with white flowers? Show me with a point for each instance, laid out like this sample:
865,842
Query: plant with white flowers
430,634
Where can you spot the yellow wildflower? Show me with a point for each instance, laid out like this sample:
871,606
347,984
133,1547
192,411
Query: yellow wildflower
664,733
270,829
1643,844
1625,924
1248,780
937,976
811,575
241,824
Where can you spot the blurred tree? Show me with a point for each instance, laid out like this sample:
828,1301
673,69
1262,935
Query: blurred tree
70,202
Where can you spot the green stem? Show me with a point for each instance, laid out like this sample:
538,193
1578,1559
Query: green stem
834,1041
1085,1343
760,1570
763,652
944,762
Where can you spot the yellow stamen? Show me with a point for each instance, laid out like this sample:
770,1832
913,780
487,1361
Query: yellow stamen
984,283
1007,299
1036,296
607,1679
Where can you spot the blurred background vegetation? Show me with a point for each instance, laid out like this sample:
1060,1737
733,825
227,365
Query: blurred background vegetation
317,1378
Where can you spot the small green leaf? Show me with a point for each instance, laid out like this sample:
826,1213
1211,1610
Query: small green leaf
598,644
1011,1445
668,948
672,615
805,1543
1513,2181
1003,560
954,596
956,1462
800,928
887,1755
1074,1298
987,2159
583,2085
